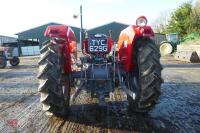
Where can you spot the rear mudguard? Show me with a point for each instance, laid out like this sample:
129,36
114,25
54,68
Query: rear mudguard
126,44
66,37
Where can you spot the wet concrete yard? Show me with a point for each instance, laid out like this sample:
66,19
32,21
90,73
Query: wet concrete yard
177,111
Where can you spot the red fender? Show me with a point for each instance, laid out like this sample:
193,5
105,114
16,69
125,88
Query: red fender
68,41
126,43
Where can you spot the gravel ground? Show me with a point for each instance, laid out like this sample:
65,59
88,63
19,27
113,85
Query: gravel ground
178,110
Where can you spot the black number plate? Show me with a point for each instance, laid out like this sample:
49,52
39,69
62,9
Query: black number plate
98,44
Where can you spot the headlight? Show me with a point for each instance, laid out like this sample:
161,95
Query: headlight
141,21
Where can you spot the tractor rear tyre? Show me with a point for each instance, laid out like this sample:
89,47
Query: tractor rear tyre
3,61
15,61
146,80
52,83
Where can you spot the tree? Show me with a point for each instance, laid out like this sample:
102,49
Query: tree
195,17
180,21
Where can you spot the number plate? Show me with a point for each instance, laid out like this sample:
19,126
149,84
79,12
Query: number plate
98,44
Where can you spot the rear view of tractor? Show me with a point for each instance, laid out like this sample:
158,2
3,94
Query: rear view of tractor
133,66
8,53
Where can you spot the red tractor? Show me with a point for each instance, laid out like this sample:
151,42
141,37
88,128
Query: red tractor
133,66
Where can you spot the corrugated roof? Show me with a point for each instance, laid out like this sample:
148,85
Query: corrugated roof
114,22
39,27
6,39
38,32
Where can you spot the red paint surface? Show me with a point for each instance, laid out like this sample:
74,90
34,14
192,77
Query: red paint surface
126,43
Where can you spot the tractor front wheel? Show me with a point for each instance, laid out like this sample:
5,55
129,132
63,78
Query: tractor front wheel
146,80
14,61
54,87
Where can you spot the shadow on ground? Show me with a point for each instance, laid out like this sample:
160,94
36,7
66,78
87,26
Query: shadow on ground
178,111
